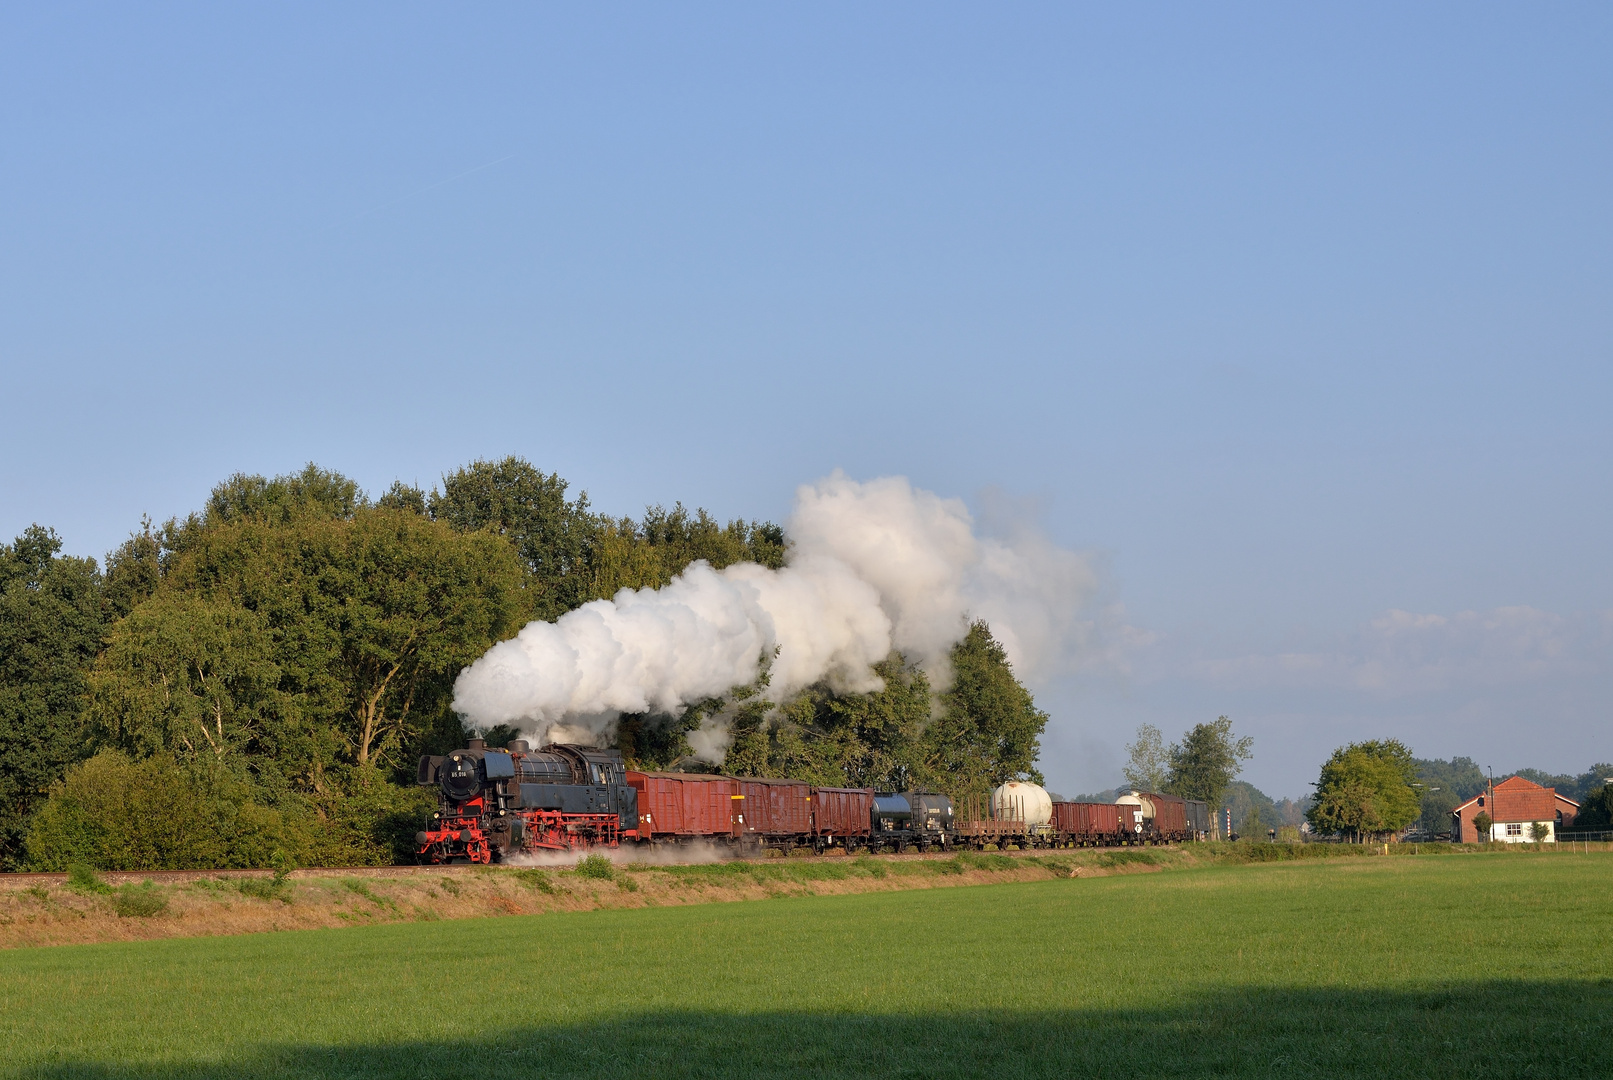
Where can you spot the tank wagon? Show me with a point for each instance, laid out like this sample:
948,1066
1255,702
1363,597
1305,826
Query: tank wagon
495,804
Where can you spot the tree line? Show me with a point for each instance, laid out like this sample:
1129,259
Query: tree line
254,682
1365,789
1378,787
1202,766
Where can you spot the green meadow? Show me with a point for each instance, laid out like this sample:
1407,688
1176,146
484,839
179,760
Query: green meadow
1465,966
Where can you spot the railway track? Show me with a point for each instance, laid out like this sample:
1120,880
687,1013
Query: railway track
122,877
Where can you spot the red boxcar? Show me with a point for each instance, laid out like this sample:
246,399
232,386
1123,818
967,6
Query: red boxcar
1170,815
685,804
1091,819
838,811
774,807
1072,818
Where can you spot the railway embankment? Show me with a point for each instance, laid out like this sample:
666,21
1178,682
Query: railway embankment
59,909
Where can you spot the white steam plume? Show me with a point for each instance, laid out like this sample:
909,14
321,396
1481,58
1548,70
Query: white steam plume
871,567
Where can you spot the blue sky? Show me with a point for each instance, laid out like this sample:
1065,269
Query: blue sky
1297,318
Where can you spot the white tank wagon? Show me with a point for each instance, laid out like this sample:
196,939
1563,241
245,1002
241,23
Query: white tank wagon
1019,801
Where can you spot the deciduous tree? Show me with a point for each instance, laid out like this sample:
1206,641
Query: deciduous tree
1366,788
1148,766
555,537
195,675
1596,811
1208,758
989,730
116,813
373,617
313,493
862,740
51,621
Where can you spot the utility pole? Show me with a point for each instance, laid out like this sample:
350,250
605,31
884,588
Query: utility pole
1491,807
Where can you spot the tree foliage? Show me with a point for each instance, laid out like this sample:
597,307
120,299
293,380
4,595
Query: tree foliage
650,552
574,555
1248,803
51,620
118,813
1444,786
984,730
160,813
188,674
1366,788
1208,758
858,740
553,536
1596,808
989,730
258,676
1148,765
371,617
313,494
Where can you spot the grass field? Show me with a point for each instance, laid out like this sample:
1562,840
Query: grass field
1459,967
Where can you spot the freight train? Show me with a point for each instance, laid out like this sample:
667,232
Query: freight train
499,803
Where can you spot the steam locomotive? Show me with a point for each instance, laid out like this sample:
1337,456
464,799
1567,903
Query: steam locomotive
493,803
498,803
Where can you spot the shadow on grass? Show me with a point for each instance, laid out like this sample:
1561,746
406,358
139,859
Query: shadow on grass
1502,1029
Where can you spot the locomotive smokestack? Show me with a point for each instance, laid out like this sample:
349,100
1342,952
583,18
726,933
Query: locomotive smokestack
478,744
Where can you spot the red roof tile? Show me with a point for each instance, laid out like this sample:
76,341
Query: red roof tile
1517,799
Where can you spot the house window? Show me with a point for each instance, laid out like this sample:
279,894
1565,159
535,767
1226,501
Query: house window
1515,828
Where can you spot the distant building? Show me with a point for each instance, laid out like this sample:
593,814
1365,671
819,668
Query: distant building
1513,806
